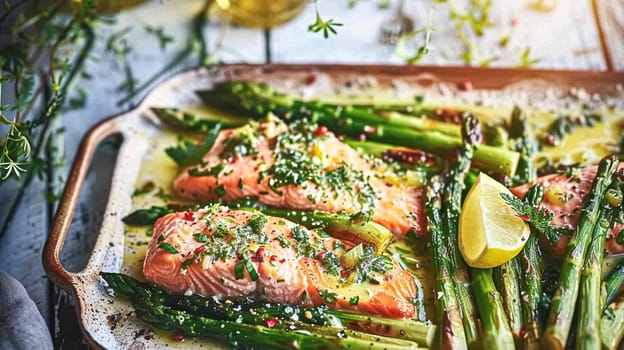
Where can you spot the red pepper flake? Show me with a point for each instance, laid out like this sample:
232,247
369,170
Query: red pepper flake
362,137
260,252
282,260
271,322
179,337
321,254
550,139
199,249
525,217
188,215
322,130
310,79
523,332
273,258
343,273
465,85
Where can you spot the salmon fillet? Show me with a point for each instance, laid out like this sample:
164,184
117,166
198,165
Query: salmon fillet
564,196
204,252
300,169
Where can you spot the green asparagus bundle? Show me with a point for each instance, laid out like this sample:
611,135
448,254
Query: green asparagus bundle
565,297
451,325
267,325
590,308
452,207
257,100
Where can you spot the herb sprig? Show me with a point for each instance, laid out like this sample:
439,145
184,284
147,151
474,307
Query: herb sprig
539,218
320,25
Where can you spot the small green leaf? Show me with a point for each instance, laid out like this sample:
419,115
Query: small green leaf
200,237
354,300
168,247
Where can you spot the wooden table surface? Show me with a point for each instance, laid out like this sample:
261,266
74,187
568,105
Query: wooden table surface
567,37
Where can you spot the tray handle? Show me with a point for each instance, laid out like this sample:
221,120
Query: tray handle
65,213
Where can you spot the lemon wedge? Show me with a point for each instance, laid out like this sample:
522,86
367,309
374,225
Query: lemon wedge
490,233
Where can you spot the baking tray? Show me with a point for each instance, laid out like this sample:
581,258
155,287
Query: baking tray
96,309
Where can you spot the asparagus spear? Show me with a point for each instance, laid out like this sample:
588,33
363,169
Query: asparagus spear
590,308
531,281
496,332
259,99
565,297
530,287
612,323
507,278
452,207
196,315
186,121
451,325
356,228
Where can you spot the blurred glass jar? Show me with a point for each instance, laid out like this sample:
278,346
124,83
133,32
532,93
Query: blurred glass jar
261,13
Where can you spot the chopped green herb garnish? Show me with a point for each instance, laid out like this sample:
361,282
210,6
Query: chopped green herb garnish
200,237
331,263
329,296
251,270
304,296
186,263
168,247
239,270
161,238
220,190
354,300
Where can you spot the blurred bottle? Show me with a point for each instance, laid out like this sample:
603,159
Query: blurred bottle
261,13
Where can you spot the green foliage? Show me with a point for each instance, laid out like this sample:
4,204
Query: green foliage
538,218
320,25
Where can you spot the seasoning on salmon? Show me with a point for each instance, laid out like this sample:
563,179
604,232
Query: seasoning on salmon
297,167
564,195
234,253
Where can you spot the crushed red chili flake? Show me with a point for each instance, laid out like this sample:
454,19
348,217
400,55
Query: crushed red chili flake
199,249
260,252
343,273
523,332
310,79
273,258
524,217
188,215
550,139
322,130
282,260
178,337
321,254
271,322
465,85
